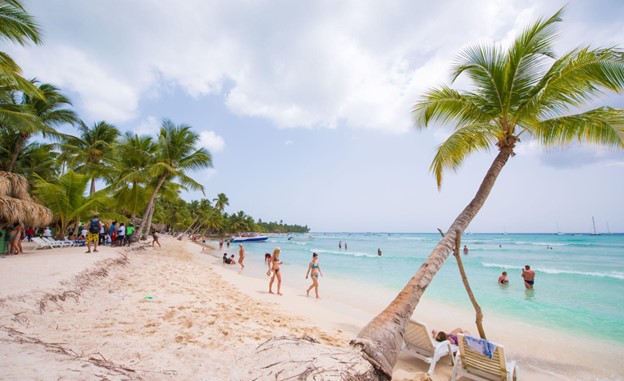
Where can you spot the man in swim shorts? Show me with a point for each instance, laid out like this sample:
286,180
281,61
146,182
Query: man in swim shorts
529,277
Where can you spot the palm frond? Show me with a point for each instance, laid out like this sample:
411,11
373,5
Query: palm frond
16,24
464,141
446,105
601,126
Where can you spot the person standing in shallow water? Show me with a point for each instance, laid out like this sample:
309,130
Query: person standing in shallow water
314,269
241,255
274,266
529,277
465,249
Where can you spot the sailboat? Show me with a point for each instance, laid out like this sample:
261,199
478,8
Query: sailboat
594,223
558,232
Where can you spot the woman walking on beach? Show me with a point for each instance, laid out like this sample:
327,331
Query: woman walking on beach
274,265
315,269
241,255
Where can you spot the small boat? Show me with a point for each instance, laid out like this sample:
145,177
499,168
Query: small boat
249,238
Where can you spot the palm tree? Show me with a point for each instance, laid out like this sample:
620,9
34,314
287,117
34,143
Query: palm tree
16,24
93,149
519,91
221,202
175,155
66,199
45,114
133,154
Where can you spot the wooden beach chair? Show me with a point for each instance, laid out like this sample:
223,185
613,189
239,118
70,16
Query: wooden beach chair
472,364
418,342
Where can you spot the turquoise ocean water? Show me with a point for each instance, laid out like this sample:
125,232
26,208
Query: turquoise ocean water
579,282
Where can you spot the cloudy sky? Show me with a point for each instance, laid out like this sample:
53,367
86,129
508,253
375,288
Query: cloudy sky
305,105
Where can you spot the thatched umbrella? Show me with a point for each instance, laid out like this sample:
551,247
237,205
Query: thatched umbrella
16,205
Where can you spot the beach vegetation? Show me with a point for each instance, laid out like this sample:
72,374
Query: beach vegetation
92,152
175,155
518,91
66,198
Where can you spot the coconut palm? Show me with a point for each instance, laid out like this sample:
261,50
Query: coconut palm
93,150
16,24
44,115
65,196
133,153
221,202
519,91
176,154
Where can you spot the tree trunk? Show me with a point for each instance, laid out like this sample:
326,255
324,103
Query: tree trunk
149,220
381,338
473,300
18,148
92,186
149,207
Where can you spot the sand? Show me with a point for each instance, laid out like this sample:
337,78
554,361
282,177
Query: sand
176,313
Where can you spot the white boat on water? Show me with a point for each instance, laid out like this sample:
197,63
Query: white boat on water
249,238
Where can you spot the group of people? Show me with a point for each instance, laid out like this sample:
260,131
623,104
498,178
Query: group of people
528,276
15,234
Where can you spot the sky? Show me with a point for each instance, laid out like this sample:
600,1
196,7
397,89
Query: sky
305,105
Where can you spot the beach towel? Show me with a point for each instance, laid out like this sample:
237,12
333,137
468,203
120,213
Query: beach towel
482,346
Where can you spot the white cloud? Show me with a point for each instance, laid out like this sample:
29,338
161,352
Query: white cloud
288,143
360,64
149,126
211,141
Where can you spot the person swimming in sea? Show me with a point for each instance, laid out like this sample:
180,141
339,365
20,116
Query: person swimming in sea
314,269
503,278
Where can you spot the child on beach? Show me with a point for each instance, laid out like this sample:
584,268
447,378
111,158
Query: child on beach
274,265
315,269
450,336
155,239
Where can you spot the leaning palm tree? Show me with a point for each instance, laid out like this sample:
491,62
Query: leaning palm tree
176,154
93,150
518,91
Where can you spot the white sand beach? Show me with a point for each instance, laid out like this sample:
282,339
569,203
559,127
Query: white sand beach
175,313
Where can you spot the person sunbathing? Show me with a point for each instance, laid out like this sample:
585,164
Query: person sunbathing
450,336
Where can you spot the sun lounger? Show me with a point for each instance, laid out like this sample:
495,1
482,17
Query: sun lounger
42,243
57,243
472,364
418,342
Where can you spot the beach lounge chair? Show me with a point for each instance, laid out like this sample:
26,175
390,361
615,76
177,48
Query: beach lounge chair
472,364
42,243
418,342
57,243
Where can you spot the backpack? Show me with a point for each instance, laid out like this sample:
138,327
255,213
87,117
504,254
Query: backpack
94,226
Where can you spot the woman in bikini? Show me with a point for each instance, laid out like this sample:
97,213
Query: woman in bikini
315,269
450,336
274,265
241,255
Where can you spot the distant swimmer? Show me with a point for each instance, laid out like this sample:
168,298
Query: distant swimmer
465,249
379,252
503,278
340,245
345,246
529,277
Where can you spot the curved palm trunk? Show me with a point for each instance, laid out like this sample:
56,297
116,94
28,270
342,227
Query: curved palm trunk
92,186
18,148
149,209
473,300
149,221
381,338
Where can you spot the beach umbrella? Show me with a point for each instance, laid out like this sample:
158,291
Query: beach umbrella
16,205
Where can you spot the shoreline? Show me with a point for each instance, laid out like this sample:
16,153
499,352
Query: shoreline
543,353
176,313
